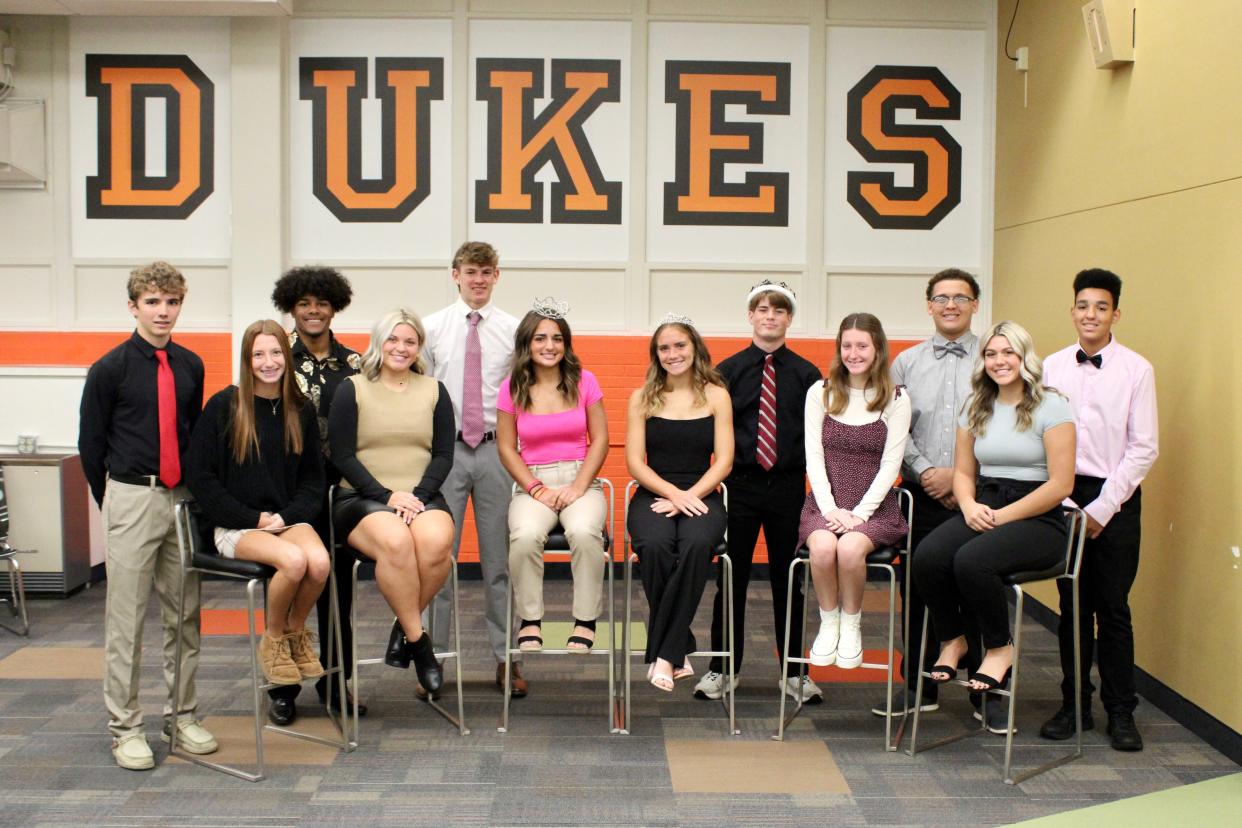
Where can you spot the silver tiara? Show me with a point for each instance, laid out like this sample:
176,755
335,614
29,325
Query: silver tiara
672,318
776,287
550,308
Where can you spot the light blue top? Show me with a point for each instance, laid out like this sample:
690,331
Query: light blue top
1003,451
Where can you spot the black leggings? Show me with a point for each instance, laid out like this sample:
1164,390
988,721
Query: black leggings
959,570
676,558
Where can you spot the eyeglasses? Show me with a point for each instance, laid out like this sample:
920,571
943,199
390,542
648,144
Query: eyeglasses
961,300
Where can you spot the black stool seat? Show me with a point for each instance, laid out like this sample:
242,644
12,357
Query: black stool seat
1015,578
218,564
558,541
881,556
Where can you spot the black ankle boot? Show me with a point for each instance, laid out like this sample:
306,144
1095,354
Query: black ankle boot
430,675
398,654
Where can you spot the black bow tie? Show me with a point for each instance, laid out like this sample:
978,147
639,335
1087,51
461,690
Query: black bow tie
954,348
1082,357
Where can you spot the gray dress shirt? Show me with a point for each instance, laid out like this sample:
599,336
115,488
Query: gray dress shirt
939,386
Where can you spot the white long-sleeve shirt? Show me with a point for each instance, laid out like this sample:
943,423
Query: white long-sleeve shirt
897,417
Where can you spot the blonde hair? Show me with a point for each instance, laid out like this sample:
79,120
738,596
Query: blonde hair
702,373
837,383
985,390
381,330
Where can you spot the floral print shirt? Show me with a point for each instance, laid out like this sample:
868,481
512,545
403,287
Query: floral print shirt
318,379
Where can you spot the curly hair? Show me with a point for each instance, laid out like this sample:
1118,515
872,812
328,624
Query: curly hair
325,283
158,276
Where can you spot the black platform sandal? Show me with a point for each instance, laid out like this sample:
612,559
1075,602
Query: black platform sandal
530,643
583,644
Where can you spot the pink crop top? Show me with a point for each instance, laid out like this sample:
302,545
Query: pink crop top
550,438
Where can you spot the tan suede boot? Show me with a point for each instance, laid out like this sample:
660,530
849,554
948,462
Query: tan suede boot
274,658
304,656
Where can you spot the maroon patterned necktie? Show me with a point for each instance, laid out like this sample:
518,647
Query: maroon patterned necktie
765,451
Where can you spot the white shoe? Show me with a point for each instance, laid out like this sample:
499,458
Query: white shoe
192,737
133,753
849,649
824,649
712,685
810,692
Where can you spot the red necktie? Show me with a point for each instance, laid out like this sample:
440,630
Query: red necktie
765,451
170,454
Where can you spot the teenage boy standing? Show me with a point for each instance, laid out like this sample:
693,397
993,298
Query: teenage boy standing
313,296
768,385
139,405
468,347
1113,392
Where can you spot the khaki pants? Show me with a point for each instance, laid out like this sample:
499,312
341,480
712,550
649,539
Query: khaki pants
141,539
583,521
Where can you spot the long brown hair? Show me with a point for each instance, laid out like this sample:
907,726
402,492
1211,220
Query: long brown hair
244,437
983,399
837,385
702,372
522,377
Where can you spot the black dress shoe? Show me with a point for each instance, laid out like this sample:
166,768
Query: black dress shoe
1124,732
282,712
1061,726
430,676
421,692
398,654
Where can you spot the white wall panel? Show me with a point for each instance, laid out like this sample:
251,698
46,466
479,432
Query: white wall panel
715,300
899,300
100,298
594,296
28,295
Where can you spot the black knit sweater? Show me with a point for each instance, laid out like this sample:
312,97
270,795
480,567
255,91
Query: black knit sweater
232,496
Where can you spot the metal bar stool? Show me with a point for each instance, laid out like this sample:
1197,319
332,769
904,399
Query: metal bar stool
195,557
1065,570
885,558
721,554
557,545
17,588
458,721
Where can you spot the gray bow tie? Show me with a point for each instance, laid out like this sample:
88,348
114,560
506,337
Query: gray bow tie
954,348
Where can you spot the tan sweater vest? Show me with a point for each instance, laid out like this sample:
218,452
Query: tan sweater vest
395,428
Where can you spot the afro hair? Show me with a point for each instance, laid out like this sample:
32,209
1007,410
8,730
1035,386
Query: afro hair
325,283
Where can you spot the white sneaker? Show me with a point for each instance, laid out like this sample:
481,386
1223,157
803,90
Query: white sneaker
133,753
849,649
824,649
712,685
810,692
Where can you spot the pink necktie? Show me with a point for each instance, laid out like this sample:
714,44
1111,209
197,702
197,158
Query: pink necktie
765,451
472,386
166,397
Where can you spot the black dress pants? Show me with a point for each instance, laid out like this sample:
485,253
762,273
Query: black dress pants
343,566
959,571
928,515
1109,566
675,557
772,502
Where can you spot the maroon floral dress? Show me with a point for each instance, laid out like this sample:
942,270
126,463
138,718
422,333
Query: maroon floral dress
852,455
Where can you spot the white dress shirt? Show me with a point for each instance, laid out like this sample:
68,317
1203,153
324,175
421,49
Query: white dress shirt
1118,434
445,352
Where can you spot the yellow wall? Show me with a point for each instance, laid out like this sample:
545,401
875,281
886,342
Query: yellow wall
1140,170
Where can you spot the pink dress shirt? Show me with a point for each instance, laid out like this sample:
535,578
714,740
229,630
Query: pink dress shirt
1115,405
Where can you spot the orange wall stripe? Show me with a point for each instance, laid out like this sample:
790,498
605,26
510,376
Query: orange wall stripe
619,362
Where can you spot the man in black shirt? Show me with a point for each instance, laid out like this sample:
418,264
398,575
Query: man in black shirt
313,296
768,483
139,405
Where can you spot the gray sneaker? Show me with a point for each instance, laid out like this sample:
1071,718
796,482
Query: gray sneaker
711,686
903,703
810,692
998,717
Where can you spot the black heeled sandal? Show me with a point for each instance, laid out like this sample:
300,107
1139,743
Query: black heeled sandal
430,674
530,643
397,654
943,668
989,683
585,644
